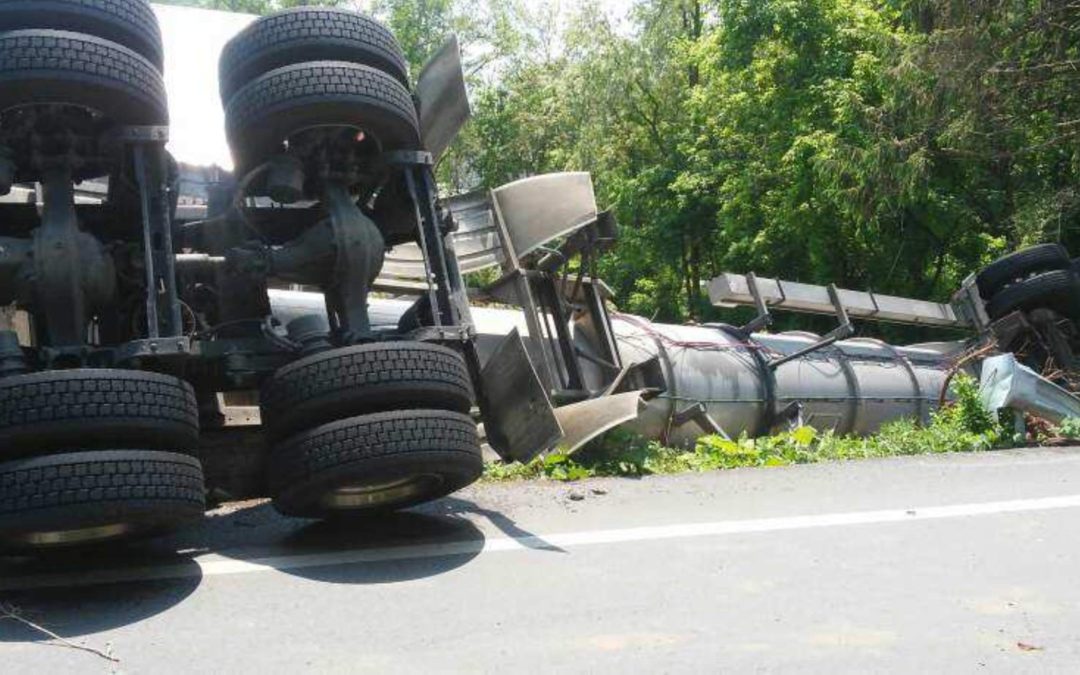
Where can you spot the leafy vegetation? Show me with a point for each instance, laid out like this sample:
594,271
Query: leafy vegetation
964,426
1069,429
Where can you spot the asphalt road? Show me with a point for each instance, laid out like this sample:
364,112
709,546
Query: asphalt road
941,564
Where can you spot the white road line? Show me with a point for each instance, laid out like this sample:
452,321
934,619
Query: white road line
222,567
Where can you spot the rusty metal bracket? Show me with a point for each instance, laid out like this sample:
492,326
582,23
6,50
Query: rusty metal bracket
844,330
698,414
764,318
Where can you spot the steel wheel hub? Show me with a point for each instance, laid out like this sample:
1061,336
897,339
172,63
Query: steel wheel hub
370,496
77,536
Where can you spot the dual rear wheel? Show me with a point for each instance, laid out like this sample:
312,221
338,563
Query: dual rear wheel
365,428
93,455
309,68
369,429
88,455
1037,277
104,56
71,72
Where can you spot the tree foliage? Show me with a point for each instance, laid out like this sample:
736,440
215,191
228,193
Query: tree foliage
890,144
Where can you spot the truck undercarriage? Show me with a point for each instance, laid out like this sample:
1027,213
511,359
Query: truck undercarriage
134,323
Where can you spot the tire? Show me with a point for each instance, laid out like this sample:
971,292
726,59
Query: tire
416,456
49,66
267,110
54,411
92,497
364,379
1016,266
1058,290
306,34
130,23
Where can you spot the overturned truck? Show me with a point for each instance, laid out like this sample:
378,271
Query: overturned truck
126,323
300,328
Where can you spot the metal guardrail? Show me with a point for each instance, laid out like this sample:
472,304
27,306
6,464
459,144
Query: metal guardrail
1007,384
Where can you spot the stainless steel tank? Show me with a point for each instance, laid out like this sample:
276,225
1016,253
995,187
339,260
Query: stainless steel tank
700,365
851,387
857,385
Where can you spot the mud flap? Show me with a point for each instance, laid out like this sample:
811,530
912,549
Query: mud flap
519,420
444,101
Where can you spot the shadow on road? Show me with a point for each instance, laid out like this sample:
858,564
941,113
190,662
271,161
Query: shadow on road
79,592
52,591
506,525
390,548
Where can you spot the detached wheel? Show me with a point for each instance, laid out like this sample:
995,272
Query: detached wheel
306,34
51,66
364,379
130,23
54,411
94,497
1058,290
265,112
374,463
1016,266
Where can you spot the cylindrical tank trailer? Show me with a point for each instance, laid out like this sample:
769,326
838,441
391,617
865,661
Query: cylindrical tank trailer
850,387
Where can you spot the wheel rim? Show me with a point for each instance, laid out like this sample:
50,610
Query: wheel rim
76,536
381,494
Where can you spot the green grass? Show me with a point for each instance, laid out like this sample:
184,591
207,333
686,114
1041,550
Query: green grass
964,426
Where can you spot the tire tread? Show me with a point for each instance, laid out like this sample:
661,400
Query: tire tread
297,32
1058,290
88,406
131,23
1018,265
76,479
445,443
30,55
366,379
273,100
